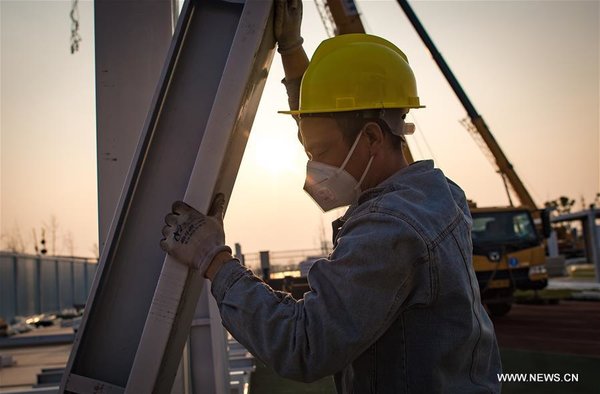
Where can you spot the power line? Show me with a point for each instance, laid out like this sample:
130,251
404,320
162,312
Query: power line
422,134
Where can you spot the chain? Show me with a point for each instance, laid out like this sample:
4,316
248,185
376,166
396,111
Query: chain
75,37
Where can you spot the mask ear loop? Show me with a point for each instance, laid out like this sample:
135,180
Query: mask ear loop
366,171
351,151
362,178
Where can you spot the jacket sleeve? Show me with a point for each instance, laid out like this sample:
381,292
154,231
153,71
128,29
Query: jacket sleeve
292,88
378,267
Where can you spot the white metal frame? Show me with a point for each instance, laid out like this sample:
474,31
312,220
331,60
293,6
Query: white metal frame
191,147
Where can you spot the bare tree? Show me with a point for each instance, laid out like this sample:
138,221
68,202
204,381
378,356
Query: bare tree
69,243
95,250
13,240
561,205
52,228
35,242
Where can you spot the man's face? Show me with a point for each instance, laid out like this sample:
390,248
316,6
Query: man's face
324,142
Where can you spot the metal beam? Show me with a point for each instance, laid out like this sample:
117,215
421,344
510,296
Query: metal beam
131,42
591,233
346,16
141,307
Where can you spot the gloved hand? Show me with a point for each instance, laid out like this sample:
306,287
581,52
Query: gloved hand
288,18
193,238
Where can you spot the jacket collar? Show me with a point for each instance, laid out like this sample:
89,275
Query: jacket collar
415,169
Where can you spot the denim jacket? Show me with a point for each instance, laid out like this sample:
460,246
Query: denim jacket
394,309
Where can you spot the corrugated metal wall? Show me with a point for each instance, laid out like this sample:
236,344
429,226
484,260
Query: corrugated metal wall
35,284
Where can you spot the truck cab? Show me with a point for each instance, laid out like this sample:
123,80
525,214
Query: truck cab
508,254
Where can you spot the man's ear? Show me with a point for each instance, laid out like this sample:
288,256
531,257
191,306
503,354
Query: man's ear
376,137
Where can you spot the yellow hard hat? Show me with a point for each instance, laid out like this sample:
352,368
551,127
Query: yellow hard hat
354,72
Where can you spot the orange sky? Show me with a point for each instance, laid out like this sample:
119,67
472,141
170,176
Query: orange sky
530,68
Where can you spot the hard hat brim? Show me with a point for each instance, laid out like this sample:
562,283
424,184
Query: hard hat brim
334,110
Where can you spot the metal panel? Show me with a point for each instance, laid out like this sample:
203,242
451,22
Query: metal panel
195,134
79,290
26,291
90,276
48,287
39,284
8,286
65,280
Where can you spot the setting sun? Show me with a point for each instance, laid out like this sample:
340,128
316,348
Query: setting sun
277,155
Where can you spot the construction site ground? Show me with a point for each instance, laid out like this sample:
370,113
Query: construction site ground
537,336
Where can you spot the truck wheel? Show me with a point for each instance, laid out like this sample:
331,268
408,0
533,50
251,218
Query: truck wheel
499,309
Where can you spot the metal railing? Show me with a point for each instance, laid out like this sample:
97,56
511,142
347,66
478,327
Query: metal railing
282,261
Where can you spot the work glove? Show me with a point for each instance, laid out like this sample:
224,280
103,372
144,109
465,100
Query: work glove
192,238
288,18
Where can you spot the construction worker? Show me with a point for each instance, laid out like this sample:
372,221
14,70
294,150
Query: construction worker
396,306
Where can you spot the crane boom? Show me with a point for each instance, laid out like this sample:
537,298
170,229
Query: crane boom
505,167
345,16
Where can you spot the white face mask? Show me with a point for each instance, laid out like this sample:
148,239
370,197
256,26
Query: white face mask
332,187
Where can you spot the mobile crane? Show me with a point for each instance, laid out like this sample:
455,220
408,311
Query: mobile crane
508,248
